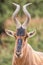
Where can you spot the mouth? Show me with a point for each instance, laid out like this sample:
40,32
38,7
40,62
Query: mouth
19,55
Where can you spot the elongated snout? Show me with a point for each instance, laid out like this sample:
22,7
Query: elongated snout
19,47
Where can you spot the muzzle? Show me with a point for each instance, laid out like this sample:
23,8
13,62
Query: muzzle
19,46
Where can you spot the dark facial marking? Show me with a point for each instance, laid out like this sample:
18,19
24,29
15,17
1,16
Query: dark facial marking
20,32
19,45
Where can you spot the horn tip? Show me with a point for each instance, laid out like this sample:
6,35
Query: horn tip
14,3
29,3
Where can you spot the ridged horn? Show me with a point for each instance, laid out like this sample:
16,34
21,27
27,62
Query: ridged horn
27,15
18,25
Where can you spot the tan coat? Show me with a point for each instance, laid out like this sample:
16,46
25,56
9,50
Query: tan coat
30,57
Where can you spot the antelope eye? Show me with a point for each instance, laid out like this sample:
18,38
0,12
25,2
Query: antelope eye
25,37
15,35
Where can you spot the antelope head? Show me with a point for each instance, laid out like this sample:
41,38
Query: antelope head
20,35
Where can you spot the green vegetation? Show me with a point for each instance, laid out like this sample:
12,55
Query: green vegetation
6,10
36,9
6,50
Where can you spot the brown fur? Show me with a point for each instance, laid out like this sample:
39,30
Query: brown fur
30,57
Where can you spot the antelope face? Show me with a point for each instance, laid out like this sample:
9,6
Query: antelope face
21,34
20,40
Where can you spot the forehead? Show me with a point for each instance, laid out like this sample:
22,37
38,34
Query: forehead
20,32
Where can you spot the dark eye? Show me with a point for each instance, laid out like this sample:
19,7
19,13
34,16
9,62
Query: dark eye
15,35
25,37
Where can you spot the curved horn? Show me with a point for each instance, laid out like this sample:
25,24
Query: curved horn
27,14
18,25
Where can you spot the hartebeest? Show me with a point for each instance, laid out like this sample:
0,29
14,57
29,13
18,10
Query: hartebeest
23,52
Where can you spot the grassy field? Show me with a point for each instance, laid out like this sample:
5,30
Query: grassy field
6,50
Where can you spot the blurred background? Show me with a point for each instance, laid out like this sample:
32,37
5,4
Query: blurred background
7,43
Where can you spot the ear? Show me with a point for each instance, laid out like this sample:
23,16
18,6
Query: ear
9,32
31,34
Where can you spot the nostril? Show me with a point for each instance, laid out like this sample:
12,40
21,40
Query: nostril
18,54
